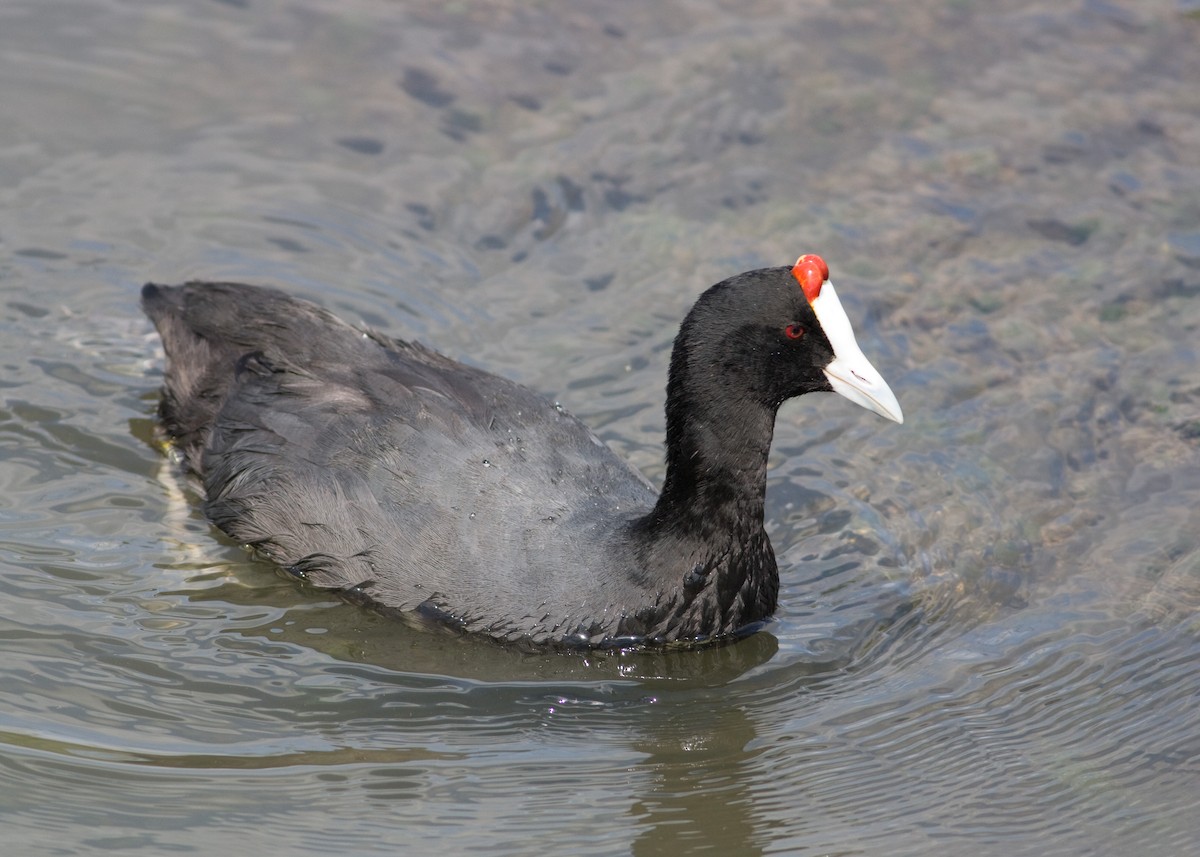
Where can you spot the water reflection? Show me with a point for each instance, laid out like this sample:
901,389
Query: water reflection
698,777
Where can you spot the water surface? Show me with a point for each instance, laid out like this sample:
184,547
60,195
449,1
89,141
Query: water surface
988,639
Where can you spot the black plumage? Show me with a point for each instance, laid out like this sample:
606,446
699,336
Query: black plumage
407,480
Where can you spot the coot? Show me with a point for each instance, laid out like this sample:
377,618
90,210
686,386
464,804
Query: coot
408,481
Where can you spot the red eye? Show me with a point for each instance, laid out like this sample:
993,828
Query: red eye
794,331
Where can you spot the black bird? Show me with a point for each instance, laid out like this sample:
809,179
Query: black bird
408,481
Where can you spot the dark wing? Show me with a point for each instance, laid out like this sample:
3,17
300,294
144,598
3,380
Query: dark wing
378,466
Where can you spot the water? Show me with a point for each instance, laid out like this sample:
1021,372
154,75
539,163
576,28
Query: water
988,639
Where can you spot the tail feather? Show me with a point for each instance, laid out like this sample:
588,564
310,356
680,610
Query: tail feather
199,370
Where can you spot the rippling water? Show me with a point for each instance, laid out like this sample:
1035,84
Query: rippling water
988,641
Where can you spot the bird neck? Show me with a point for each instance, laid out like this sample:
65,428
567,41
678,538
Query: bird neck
704,539
705,565
718,438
